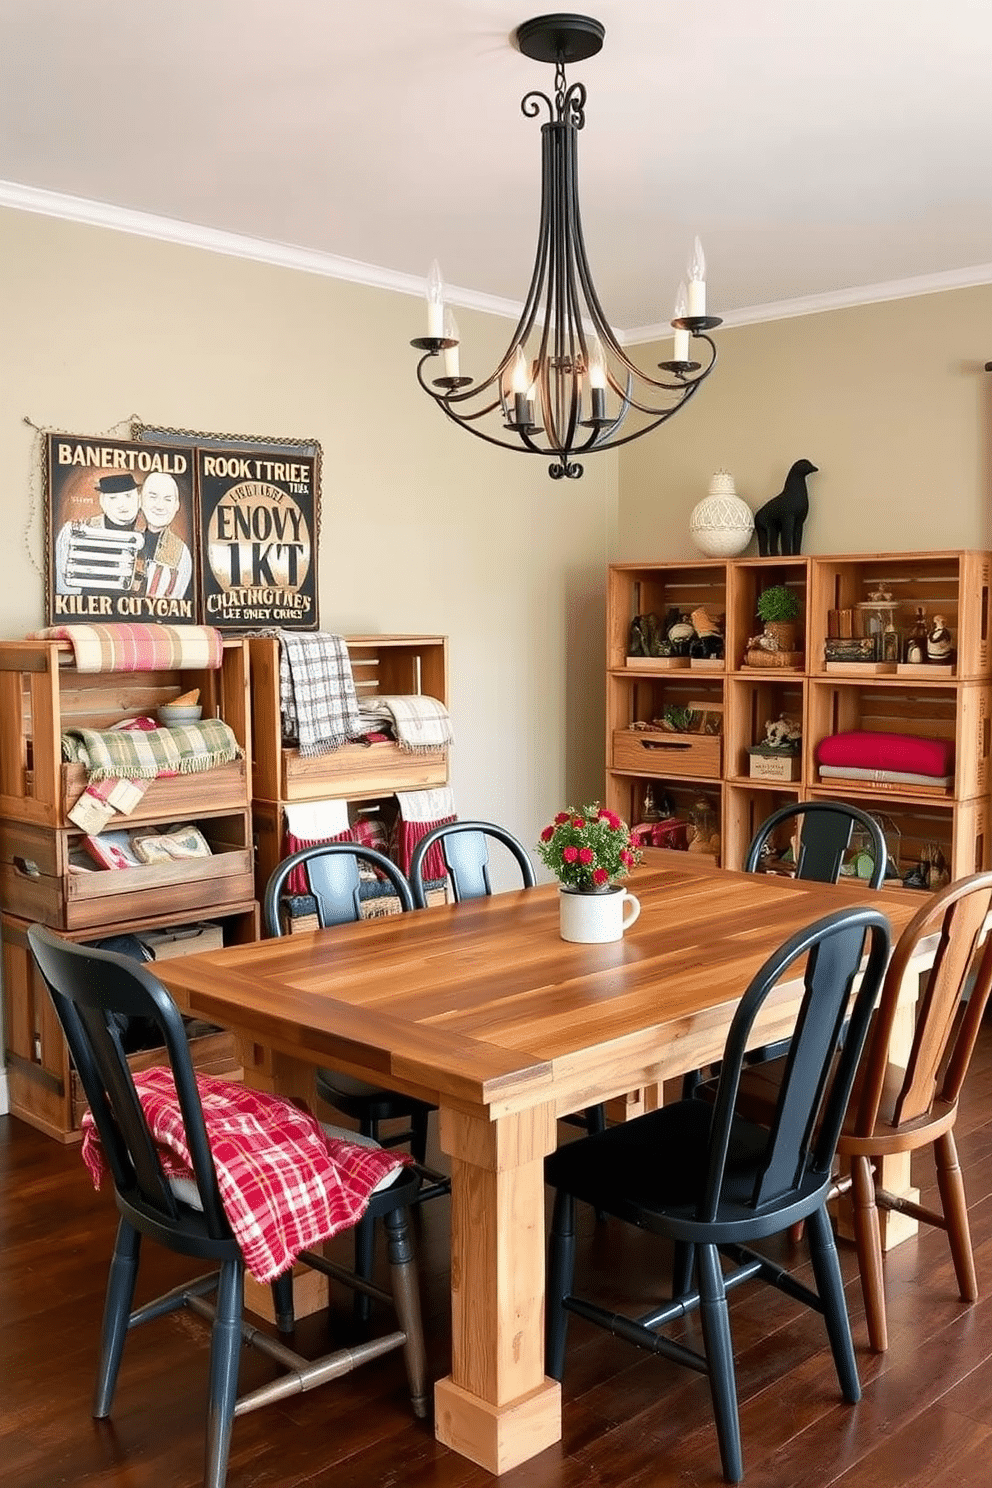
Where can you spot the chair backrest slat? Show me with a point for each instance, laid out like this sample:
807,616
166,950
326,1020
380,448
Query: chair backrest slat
332,871
465,848
825,831
91,990
943,1038
826,1044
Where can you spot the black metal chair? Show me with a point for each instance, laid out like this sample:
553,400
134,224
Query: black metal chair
465,851
91,991
714,1183
333,877
466,856
825,831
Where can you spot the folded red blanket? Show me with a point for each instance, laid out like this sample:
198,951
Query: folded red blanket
888,752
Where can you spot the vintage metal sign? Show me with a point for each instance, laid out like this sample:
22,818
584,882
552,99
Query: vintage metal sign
258,532
122,526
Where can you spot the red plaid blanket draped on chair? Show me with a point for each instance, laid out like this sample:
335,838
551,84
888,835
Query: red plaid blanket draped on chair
285,1184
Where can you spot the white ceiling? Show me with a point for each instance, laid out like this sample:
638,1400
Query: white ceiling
820,148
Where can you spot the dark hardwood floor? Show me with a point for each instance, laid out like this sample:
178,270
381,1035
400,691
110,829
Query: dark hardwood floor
925,1418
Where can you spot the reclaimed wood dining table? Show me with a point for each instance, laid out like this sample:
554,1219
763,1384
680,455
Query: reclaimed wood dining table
482,1009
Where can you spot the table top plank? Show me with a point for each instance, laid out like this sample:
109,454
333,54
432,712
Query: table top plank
482,1003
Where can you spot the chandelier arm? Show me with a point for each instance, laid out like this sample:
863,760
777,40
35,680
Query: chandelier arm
658,418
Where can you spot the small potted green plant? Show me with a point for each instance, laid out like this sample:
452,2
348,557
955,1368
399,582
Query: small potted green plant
778,608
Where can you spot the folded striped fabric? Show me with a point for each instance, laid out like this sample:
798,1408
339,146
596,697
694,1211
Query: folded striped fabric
285,1185
186,749
421,724
140,648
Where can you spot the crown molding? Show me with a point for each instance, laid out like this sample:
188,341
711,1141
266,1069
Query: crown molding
835,299
237,245
310,261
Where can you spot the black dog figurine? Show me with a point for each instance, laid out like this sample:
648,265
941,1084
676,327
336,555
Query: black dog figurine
780,521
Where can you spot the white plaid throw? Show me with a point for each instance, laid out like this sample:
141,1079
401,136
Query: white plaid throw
421,724
317,691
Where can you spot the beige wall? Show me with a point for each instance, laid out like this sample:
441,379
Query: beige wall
890,401
423,528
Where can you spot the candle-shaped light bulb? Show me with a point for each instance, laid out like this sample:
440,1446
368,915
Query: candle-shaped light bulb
596,367
435,302
681,352
519,386
697,280
450,353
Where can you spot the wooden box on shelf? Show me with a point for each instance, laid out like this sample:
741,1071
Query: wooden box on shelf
654,752
38,883
657,588
403,665
955,585
766,763
749,578
42,696
962,714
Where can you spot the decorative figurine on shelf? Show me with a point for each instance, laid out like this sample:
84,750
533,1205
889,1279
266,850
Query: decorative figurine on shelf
940,648
890,643
916,641
779,523
646,637
655,808
783,733
703,834
680,633
708,641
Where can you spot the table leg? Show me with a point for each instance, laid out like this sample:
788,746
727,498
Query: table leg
497,1407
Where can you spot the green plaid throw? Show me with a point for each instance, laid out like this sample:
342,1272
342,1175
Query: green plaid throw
120,754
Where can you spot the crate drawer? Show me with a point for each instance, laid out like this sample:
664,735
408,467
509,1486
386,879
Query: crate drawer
37,885
170,798
657,753
360,770
91,900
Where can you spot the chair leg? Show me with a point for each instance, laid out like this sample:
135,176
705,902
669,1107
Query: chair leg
116,1312
830,1287
225,1354
955,1207
364,1265
683,1262
715,1320
406,1296
868,1239
561,1270
418,1140
596,1119
282,1302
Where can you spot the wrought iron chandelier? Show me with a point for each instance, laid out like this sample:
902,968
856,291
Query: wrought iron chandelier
565,387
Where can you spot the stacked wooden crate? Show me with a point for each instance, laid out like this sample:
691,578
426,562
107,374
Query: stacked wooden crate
41,696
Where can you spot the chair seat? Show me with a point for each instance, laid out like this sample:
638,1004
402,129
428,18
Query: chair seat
650,1171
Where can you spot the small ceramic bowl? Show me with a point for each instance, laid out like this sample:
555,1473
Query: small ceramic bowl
171,714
